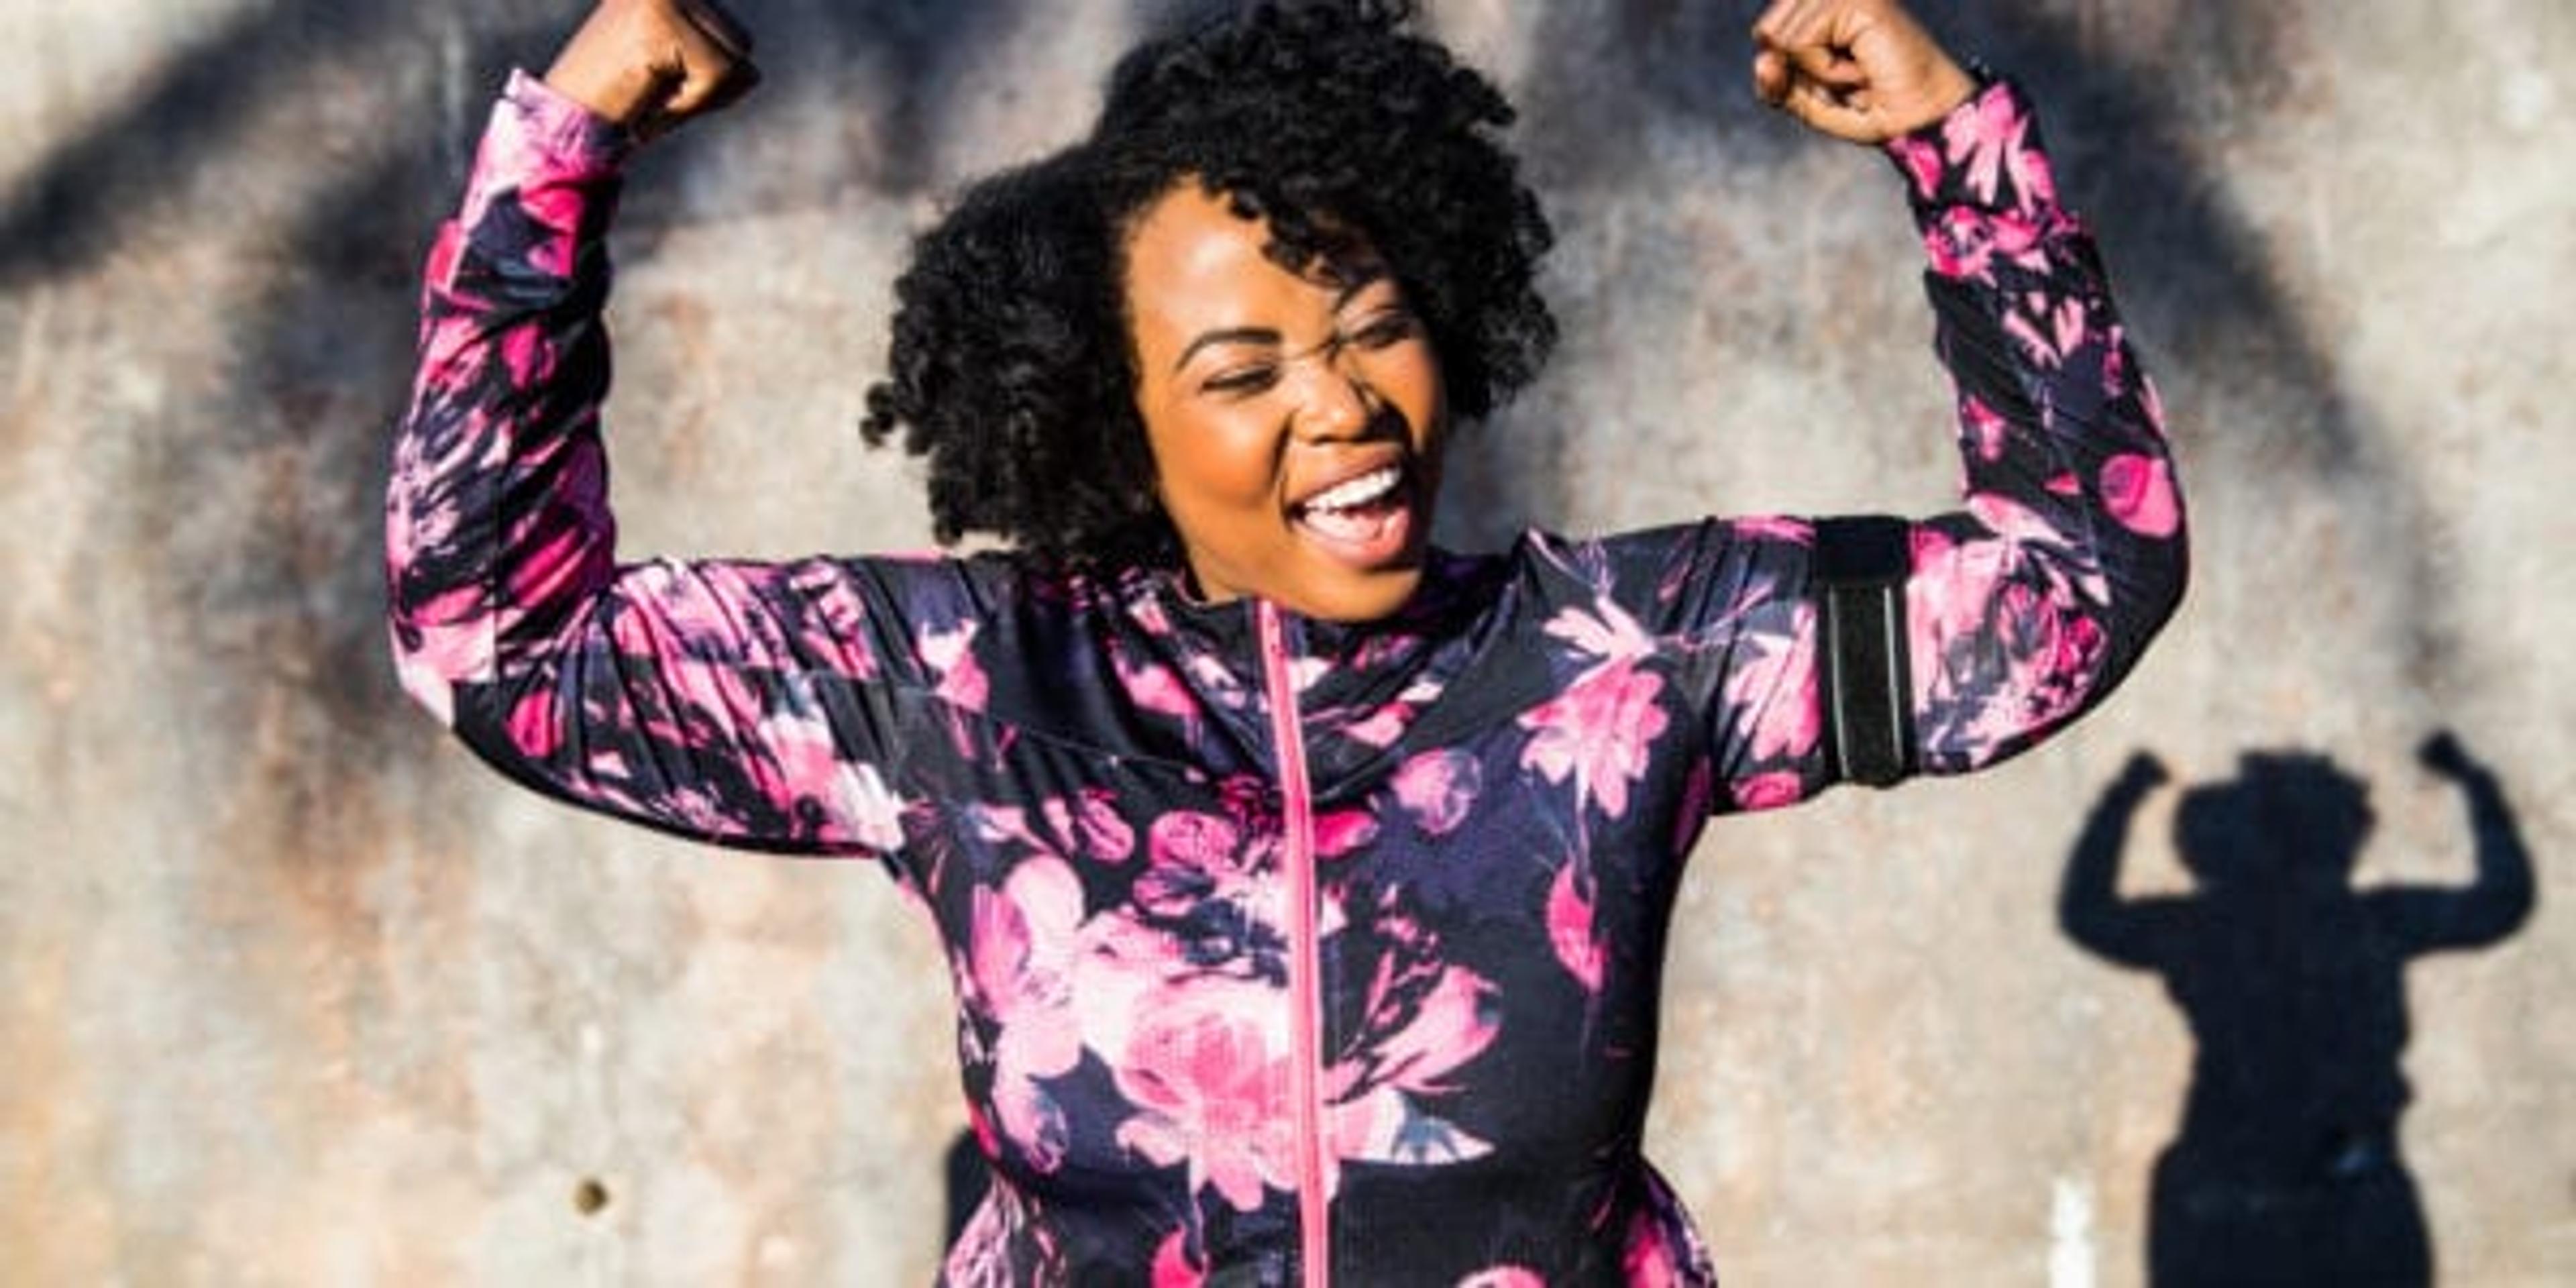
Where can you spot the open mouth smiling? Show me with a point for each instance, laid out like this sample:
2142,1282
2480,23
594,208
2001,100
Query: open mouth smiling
1366,518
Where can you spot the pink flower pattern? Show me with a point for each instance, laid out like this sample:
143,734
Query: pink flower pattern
1570,929
1207,1078
1599,731
1017,982
1504,778
1438,788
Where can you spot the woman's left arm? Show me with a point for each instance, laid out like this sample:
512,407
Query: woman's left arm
2025,607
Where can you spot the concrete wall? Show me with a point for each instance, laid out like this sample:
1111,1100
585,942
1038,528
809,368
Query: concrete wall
292,991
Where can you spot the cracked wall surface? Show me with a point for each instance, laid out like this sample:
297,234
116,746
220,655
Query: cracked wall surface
293,991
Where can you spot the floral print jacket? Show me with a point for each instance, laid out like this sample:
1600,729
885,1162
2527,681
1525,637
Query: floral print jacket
1284,950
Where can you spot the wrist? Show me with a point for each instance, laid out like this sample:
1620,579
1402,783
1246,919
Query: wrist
616,91
1947,87
562,129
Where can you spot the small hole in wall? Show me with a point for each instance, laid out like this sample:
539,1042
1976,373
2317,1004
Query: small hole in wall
589,1197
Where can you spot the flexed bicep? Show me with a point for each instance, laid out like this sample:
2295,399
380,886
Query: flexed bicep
2029,603
749,703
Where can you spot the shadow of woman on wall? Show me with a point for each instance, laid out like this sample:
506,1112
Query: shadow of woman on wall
2286,1169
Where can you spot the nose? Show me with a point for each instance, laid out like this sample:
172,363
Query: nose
1337,404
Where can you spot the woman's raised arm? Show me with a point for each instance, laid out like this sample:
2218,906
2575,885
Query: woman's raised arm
2028,604
753,704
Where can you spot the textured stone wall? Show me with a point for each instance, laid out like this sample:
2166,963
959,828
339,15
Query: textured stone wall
293,991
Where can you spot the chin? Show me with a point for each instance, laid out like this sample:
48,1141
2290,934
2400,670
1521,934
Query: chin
1358,599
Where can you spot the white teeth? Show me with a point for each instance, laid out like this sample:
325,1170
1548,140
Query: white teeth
1359,491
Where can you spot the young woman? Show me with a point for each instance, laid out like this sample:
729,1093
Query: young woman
1305,887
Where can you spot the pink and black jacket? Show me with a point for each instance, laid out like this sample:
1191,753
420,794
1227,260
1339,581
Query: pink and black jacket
1285,951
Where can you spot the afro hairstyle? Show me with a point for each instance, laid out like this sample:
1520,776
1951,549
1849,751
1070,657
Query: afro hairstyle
1010,366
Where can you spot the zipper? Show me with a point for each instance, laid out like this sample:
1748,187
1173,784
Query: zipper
1305,1000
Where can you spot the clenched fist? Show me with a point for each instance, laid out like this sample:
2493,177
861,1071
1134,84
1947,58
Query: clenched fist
651,65
1861,70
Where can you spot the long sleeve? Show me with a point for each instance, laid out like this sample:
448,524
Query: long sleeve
739,702
2030,605
2030,602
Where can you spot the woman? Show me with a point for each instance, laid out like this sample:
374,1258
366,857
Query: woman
1304,887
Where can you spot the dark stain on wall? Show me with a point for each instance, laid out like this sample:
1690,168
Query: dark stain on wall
183,121
278,597
922,54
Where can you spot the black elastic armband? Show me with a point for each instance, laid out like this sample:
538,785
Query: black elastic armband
1860,568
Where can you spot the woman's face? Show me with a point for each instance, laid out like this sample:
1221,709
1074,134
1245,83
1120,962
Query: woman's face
1295,420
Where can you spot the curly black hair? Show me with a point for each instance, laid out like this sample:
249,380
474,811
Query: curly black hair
1010,366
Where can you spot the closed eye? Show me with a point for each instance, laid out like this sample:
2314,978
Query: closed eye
1391,327
1391,324
1243,380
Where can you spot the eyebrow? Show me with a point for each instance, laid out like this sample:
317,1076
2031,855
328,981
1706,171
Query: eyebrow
1265,335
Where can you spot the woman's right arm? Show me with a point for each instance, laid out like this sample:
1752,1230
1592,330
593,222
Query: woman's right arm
745,703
